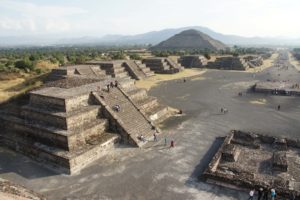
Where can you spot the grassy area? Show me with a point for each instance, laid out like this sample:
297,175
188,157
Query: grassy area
158,78
17,86
16,83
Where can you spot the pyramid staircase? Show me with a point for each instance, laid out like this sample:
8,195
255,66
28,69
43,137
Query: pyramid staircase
131,121
137,70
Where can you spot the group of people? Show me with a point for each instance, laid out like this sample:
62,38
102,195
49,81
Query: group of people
263,194
224,110
112,85
155,139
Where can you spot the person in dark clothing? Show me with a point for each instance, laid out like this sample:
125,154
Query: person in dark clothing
278,107
260,193
112,85
107,87
292,196
172,144
116,83
265,194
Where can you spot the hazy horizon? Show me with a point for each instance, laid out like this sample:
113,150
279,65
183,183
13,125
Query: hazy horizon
68,19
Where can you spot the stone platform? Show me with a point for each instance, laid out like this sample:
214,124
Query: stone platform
249,160
162,65
277,88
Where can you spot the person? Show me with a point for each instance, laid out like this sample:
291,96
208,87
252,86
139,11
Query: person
222,110
142,138
260,193
165,141
265,194
184,80
116,83
273,194
107,86
112,85
172,144
117,108
225,110
154,137
278,107
251,194
180,112
292,196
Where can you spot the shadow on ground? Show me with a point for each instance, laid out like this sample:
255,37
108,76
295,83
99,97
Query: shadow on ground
11,162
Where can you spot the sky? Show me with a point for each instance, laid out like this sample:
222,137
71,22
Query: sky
78,18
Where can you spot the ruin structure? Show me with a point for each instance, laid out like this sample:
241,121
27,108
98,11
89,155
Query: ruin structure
162,65
277,88
193,61
79,114
229,63
250,160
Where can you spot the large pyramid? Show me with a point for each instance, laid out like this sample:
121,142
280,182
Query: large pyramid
188,40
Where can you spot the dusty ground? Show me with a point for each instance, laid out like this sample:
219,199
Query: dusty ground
158,78
158,172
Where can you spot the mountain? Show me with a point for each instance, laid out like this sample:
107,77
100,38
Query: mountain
153,37
189,40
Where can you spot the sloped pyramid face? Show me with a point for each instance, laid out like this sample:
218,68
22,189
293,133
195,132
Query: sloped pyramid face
188,40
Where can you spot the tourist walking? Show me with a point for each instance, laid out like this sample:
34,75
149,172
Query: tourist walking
273,194
260,193
278,107
265,194
222,110
251,194
172,144
165,141
107,86
112,85
154,137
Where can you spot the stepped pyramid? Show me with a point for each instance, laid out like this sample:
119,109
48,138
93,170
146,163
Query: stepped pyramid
162,65
71,122
190,40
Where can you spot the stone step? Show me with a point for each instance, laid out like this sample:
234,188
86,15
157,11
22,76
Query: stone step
68,162
150,73
137,94
121,75
85,71
63,120
157,113
147,103
56,104
65,139
134,122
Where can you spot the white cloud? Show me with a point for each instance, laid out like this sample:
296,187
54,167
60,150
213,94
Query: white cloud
34,18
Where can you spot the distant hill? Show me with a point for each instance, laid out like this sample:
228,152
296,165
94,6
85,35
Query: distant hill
189,40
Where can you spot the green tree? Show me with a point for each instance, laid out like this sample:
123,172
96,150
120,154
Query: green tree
24,64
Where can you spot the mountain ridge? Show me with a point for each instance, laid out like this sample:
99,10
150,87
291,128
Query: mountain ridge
152,37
